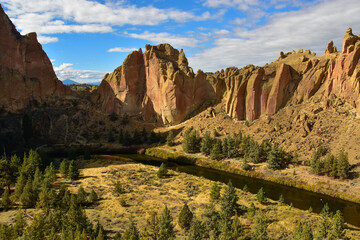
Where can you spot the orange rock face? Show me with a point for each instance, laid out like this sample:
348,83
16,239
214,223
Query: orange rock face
160,84
157,84
26,73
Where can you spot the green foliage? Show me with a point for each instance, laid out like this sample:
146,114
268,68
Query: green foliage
337,226
215,191
50,173
64,168
259,228
246,188
261,196
110,136
251,210
162,172
185,217
281,199
28,197
93,197
303,232
82,196
206,144
191,142
123,202
125,119
324,224
131,232
170,139
215,152
195,230
211,222
5,201
245,166
166,227
73,171
136,138
278,158
20,184
118,188
151,228
228,203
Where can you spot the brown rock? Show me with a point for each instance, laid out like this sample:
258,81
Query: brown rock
26,73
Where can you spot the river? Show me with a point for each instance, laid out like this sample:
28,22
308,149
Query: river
299,198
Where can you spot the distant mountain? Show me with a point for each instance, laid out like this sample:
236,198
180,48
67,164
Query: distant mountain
72,82
69,82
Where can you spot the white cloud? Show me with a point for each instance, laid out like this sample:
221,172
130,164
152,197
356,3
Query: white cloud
121,49
64,16
66,71
308,28
176,41
46,39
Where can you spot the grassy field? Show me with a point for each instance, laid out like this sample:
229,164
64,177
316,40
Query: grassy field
145,192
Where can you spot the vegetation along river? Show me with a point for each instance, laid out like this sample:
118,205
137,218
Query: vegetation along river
299,198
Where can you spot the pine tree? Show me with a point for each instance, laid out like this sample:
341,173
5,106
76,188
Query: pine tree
191,142
121,136
185,217
228,203
162,172
251,210
151,228
44,199
246,188
5,173
166,228
281,199
144,135
324,223
28,198
81,196
215,152
136,138
343,165
118,188
131,232
337,226
195,230
211,221
215,191
206,144
236,230
5,201
19,186
170,139
19,225
261,196
50,173
303,232
37,181
64,168
73,171
259,229
93,197
110,136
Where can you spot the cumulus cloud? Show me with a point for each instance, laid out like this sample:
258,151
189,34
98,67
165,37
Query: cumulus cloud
308,28
64,16
122,49
176,41
66,71
46,39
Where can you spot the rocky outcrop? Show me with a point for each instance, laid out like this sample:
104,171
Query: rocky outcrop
26,73
159,85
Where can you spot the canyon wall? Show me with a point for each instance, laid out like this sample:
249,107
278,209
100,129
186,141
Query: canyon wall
26,73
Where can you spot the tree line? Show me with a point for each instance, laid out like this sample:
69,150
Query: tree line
236,146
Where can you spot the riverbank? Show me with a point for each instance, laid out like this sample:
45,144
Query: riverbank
296,176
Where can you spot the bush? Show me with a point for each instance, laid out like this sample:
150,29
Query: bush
162,172
261,196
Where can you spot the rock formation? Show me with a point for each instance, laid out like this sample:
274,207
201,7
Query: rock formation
157,84
160,84
26,73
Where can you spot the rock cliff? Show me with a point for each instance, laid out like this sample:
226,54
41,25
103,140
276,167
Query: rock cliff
26,73
158,84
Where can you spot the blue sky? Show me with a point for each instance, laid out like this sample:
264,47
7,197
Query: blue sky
86,38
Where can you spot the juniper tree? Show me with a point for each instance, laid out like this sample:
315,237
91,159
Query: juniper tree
261,196
195,230
93,197
324,224
28,198
73,171
170,139
191,142
215,152
151,228
228,203
5,199
131,232
337,226
343,165
259,228
215,191
206,144
50,173
162,172
81,196
166,227
185,217
64,168
211,221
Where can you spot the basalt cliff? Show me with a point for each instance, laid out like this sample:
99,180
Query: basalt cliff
159,84
26,73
